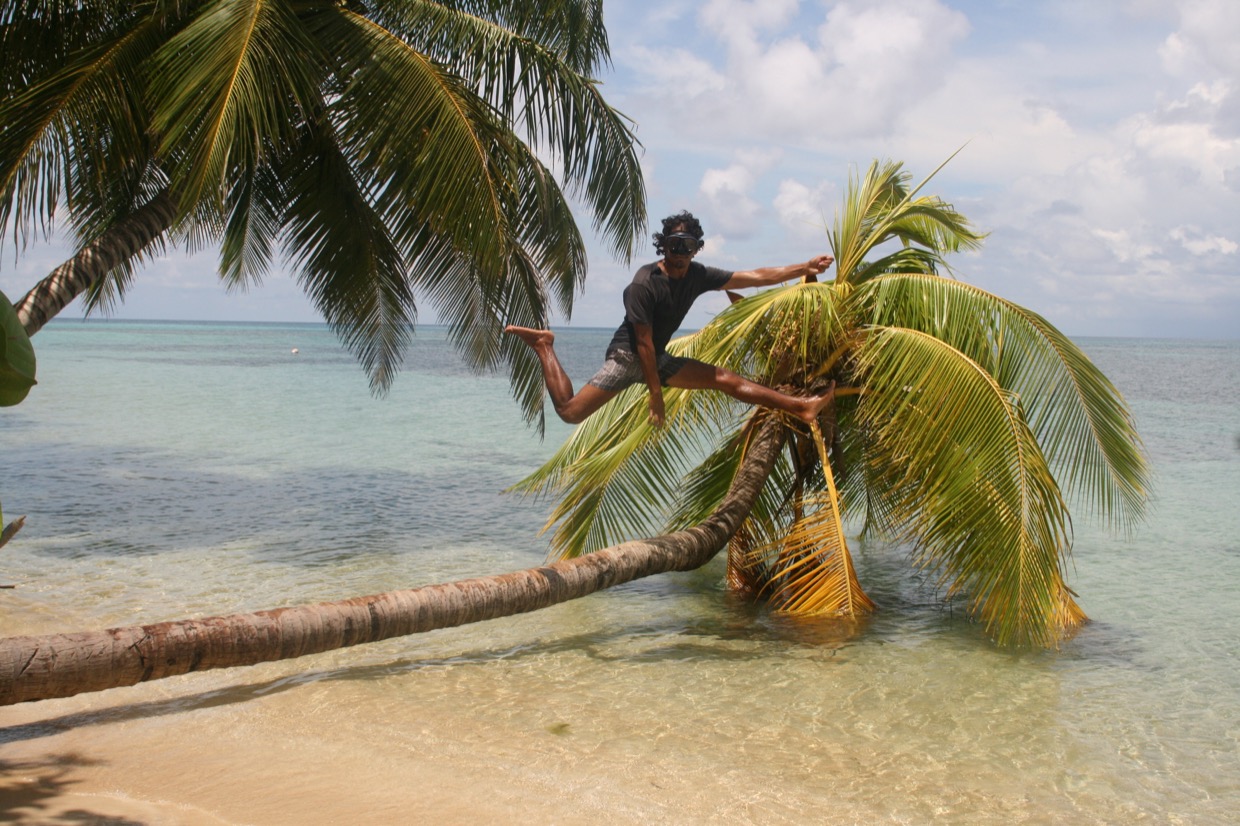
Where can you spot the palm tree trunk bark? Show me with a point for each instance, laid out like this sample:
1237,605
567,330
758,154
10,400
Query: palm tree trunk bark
95,260
61,665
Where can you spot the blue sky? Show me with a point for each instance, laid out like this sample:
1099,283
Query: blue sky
1101,151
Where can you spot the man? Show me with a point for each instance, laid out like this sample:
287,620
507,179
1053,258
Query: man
655,304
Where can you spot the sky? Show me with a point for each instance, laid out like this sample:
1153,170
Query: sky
1099,148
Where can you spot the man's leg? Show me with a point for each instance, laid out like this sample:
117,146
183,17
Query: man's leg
697,375
570,407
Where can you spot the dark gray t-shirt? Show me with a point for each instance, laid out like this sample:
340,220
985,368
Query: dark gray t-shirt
662,303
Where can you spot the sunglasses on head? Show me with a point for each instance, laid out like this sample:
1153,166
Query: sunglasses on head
681,243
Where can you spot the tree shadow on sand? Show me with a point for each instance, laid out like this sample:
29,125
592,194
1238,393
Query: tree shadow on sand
29,790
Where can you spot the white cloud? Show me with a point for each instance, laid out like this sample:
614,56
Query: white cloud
879,58
1123,247
1201,243
739,21
729,207
1186,133
1206,39
805,212
677,72
790,80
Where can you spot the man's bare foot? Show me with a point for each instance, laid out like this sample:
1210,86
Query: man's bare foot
815,405
534,338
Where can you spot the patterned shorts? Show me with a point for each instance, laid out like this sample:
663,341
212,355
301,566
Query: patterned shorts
623,368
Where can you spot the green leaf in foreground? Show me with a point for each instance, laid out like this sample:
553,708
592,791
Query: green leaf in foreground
16,357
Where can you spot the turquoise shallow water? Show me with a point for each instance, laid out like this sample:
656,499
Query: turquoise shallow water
173,470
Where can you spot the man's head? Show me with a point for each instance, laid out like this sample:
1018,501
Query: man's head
681,235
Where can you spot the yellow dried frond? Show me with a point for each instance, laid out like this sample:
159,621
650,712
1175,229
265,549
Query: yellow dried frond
813,570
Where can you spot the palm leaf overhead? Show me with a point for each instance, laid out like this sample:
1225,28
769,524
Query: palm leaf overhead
448,137
961,426
71,116
538,73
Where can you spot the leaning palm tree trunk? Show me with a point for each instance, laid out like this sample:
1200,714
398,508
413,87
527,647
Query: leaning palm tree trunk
121,243
61,665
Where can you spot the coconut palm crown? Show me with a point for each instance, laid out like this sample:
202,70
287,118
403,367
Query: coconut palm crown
381,150
961,426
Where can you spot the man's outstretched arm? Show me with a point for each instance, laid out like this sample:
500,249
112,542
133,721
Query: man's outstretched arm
769,276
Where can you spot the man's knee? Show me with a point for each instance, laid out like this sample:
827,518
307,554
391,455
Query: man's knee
727,381
571,414
575,410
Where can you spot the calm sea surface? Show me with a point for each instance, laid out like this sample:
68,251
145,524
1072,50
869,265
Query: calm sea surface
178,470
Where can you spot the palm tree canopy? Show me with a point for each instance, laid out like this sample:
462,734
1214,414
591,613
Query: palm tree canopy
388,149
962,425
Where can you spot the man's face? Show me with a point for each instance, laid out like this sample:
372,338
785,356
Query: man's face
679,247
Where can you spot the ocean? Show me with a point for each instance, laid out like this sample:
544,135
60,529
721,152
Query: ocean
175,470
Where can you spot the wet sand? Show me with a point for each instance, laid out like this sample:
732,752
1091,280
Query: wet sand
212,749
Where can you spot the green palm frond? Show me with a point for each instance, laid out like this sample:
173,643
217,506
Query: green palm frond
616,474
476,305
536,74
775,336
617,419
881,207
254,207
545,261
570,28
346,259
227,89
545,228
614,478
447,137
1080,420
704,487
964,475
71,118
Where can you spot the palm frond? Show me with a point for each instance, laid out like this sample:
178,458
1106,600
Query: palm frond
810,568
347,261
70,118
881,207
777,336
231,87
536,76
704,487
545,260
617,476
255,211
962,471
475,304
544,226
1079,418
621,488
571,28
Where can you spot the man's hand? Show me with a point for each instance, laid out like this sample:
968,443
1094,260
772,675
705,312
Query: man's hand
819,263
656,409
